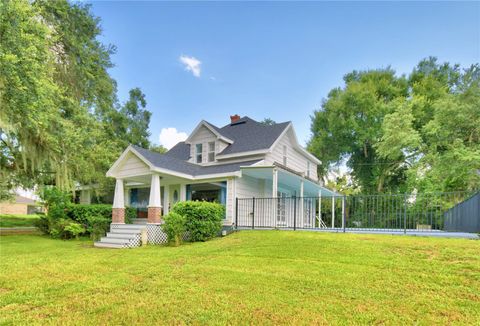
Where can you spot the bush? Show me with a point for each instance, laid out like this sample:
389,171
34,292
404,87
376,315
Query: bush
66,229
203,220
82,212
174,227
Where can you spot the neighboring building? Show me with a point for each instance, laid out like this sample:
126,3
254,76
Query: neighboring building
20,205
242,159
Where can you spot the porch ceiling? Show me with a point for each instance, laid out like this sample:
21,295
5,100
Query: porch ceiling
287,178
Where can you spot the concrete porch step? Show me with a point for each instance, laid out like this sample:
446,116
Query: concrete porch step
139,221
115,240
122,235
128,231
128,226
99,244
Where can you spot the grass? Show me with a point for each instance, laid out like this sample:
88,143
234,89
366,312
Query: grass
250,277
10,221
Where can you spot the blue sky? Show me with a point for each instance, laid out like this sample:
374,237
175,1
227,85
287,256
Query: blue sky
276,60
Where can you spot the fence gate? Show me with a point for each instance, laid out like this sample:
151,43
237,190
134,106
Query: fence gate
394,212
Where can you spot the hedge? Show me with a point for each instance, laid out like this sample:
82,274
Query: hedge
81,212
203,220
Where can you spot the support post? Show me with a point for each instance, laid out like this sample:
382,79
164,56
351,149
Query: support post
253,213
294,213
319,208
236,213
333,211
154,202
183,192
301,208
274,195
118,208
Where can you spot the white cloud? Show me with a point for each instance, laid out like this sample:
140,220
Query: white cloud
169,137
191,64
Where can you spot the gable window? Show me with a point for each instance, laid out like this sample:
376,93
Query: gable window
198,153
211,151
285,155
308,169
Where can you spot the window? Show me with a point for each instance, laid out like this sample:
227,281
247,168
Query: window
308,169
211,151
198,153
285,155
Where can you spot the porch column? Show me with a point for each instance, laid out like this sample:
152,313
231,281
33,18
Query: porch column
118,208
154,202
319,208
274,195
183,192
300,211
333,211
166,199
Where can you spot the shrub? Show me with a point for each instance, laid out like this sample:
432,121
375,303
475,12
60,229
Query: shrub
174,227
203,220
97,226
66,229
82,212
43,224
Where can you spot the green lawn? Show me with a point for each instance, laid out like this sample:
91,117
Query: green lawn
9,221
250,277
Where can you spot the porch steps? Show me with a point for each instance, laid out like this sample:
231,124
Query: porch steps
139,221
122,236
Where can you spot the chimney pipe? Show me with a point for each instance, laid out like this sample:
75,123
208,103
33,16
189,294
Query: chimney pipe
234,118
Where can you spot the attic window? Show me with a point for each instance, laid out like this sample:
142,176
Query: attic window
198,153
284,155
211,151
308,169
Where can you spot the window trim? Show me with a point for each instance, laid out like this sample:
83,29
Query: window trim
209,151
197,154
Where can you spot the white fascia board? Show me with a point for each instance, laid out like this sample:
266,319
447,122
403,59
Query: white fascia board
217,175
209,127
110,172
249,153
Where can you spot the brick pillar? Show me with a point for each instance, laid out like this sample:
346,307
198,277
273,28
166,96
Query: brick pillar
118,215
154,214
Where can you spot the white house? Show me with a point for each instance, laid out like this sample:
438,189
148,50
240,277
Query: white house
242,159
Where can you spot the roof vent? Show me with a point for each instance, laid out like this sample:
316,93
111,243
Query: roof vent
234,118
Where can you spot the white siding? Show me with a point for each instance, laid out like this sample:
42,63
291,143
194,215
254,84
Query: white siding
203,136
295,160
248,187
132,166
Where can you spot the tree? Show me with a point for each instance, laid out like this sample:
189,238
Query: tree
348,127
59,115
158,148
268,122
404,134
134,120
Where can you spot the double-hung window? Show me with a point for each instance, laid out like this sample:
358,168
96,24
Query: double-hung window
211,151
198,153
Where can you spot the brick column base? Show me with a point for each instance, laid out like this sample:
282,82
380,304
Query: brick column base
118,215
154,214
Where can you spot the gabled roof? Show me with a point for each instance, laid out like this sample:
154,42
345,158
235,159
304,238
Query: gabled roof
214,129
249,135
171,163
246,137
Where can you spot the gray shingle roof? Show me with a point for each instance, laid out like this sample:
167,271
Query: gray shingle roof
247,135
170,162
250,135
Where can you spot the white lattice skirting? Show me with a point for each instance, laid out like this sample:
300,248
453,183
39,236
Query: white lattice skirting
157,236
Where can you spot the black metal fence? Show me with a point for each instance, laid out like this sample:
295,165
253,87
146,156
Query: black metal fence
395,212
